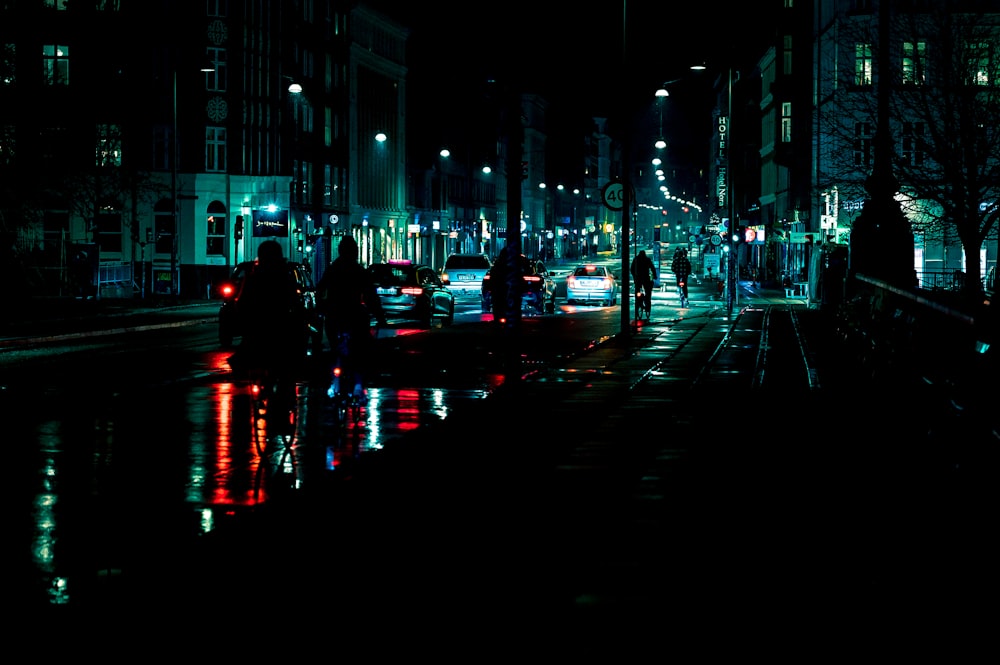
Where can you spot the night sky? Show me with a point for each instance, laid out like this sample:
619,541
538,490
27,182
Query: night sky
572,54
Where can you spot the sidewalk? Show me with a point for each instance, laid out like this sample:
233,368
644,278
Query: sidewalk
43,320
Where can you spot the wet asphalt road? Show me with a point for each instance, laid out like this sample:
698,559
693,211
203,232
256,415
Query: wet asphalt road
740,497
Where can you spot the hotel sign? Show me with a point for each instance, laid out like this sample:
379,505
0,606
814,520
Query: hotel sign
722,162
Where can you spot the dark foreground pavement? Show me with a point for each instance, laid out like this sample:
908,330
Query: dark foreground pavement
612,489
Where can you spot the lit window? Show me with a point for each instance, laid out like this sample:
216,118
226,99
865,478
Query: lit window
55,61
979,62
109,145
215,229
863,64
914,63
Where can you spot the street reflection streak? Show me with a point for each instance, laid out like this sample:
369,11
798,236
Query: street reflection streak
219,473
408,409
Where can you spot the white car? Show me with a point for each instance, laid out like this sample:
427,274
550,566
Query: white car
463,273
590,283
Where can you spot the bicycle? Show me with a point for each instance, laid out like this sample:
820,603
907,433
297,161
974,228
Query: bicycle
344,381
273,412
643,302
682,289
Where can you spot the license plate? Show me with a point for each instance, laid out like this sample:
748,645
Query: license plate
466,278
383,291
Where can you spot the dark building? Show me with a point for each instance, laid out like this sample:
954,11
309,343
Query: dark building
164,140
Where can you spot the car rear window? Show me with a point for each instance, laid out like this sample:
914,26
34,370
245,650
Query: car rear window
470,262
589,271
384,274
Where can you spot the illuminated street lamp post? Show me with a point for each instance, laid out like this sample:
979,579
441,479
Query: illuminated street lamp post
175,155
174,287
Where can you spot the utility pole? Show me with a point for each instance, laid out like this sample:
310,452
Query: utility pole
623,245
515,152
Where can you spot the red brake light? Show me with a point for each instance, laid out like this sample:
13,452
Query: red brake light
532,278
227,290
412,290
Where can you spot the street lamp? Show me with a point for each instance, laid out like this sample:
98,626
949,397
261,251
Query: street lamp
175,149
450,233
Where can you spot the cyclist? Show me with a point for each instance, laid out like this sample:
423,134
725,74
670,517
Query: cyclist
348,301
271,315
681,267
643,274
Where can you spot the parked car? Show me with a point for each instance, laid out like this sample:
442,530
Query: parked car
538,289
230,323
463,273
591,283
413,292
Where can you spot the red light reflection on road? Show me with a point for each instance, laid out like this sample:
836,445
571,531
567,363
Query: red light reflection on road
408,409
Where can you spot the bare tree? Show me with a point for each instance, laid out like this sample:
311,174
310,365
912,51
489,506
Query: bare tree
943,108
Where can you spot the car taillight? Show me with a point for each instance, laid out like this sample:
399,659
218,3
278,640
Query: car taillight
227,290
532,278
412,291
605,283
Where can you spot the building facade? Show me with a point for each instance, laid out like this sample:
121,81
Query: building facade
938,62
149,146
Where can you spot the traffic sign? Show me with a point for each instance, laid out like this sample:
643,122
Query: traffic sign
613,195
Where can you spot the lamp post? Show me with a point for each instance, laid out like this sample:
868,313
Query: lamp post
443,156
173,191
175,155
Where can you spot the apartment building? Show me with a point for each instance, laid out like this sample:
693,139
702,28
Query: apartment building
147,146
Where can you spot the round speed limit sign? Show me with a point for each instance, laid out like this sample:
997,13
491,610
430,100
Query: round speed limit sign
613,195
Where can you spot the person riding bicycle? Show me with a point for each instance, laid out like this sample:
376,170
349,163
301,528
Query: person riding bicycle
271,315
348,301
643,274
681,267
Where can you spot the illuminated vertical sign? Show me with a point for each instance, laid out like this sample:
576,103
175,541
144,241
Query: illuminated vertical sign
722,161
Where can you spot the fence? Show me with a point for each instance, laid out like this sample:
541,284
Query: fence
943,280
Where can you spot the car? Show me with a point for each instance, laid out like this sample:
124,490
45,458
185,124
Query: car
463,273
229,316
413,292
538,294
590,283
